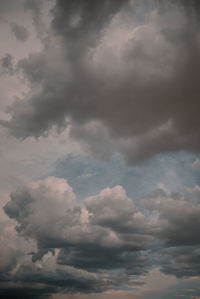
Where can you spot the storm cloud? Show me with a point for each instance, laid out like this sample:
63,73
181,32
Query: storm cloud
139,82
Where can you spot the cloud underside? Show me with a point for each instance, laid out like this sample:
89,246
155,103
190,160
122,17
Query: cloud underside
119,85
105,244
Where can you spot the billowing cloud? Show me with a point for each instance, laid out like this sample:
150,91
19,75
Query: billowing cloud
39,207
46,211
108,233
136,82
178,217
77,244
112,208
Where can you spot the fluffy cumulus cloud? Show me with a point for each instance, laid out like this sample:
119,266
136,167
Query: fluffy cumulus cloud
77,247
39,207
135,80
46,211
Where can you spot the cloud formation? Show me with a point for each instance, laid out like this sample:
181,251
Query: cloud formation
108,233
6,64
137,81
111,77
20,32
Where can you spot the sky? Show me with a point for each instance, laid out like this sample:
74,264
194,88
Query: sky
100,149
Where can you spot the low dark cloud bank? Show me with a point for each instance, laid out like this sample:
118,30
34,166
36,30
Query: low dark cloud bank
142,91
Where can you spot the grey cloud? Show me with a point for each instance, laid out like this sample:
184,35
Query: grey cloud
94,257
8,259
108,225
145,95
10,247
112,208
91,16
20,32
189,5
25,292
8,7
6,64
46,211
41,283
44,203
35,9
69,279
177,220
94,138
181,261
79,246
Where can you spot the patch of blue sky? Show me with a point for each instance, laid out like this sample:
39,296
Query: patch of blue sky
144,7
88,176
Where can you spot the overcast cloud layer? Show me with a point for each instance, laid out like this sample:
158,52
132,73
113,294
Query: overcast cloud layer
100,143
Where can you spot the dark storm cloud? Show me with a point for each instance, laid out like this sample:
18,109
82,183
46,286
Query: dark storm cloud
93,257
20,32
68,279
145,95
181,261
33,281
25,292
